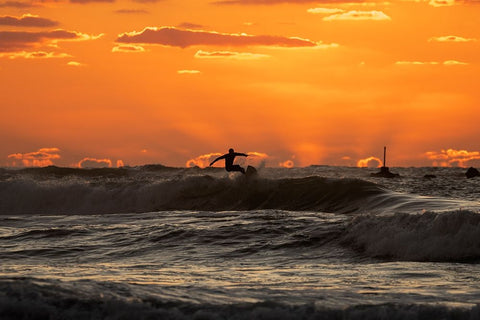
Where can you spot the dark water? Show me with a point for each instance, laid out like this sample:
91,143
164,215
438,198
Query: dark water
308,243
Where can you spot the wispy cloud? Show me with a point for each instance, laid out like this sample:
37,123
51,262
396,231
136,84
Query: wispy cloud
451,39
34,55
128,48
452,157
41,158
27,20
358,15
171,36
442,3
188,72
75,64
431,63
229,55
325,10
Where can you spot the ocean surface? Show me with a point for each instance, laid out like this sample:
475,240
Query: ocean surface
320,242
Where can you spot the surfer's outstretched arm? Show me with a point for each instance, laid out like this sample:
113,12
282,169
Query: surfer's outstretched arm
219,158
241,154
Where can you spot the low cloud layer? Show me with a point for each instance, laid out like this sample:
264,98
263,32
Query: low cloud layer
94,163
171,36
453,158
40,158
370,162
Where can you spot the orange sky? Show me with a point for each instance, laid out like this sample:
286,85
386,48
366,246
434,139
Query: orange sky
302,82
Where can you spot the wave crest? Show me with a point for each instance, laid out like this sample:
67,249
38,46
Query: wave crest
447,236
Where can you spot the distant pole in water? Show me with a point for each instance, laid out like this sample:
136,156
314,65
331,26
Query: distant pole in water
384,156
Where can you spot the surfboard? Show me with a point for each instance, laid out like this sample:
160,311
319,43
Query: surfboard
251,172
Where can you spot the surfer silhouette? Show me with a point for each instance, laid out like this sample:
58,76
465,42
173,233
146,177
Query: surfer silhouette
229,157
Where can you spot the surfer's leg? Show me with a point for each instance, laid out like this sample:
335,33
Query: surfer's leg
236,168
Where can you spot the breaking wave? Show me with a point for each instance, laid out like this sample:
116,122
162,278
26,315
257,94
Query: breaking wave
446,236
55,190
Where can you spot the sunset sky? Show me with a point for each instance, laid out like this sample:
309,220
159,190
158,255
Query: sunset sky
298,82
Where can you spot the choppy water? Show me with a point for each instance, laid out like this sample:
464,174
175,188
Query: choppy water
307,243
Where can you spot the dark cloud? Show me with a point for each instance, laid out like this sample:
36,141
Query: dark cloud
27,21
170,36
14,40
16,4
188,25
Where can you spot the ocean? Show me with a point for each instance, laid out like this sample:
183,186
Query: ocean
320,242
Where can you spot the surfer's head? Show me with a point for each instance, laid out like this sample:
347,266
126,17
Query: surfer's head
230,150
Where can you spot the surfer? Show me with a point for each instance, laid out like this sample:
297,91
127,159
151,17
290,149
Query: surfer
229,157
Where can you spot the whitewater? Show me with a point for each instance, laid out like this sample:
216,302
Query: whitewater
320,242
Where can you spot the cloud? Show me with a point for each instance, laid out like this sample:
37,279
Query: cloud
120,163
370,162
16,4
94,163
128,48
188,25
229,55
131,11
454,63
451,39
171,36
358,15
442,3
325,10
431,63
34,55
188,72
15,40
27,20
75,64
452,157
41,158
202,161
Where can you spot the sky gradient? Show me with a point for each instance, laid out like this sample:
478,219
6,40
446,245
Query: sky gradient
293,82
